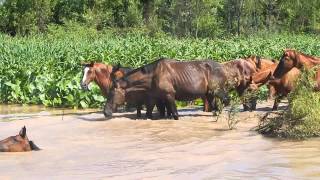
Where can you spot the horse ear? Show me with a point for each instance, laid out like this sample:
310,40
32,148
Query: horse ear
118,66
143,70
23,132
86,64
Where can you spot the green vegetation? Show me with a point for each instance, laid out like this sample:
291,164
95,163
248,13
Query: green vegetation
301,119
45,69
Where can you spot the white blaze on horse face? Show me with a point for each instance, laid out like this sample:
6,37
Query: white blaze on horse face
86,69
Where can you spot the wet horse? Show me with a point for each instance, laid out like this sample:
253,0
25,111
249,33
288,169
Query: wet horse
18,143
169,80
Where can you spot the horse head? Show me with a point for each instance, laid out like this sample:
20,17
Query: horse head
18,143
287,61
88,75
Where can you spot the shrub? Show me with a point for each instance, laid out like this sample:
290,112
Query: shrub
301,119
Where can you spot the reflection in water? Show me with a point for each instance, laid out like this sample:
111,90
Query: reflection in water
79,147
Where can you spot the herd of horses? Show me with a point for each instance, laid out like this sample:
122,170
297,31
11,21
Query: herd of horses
163,81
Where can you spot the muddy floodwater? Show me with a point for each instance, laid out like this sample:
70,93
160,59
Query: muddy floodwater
83,145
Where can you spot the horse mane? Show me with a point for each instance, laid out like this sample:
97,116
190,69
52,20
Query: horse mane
307,55
146,68
125,70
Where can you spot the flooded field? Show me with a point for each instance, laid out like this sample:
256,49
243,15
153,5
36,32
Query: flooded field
83,145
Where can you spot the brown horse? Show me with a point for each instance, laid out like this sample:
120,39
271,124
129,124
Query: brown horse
18,143
292,58
260,63
100,74
240,72
284,85
170,80
263,76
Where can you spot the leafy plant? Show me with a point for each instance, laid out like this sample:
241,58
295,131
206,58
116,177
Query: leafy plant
45,69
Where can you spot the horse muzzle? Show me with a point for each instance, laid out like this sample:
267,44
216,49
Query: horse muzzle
84,87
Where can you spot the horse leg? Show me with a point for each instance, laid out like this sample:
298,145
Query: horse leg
139,108
169,111
253,104
161,108
150,105
206,105
215,102
172,104
317,88
272,91
276,103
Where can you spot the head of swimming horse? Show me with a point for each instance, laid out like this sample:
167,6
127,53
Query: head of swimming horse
18,143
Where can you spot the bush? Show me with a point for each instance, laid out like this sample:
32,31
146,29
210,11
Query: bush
301,119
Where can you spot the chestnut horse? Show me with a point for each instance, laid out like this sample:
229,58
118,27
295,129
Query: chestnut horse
284,85
18,143
100,74
292,58
260,63
263,76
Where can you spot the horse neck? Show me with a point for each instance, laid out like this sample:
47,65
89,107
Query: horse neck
262,77
308,61
266,63
103,81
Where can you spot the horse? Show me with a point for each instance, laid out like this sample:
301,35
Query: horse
292,58
259,62
138,98
263,76
100,74
170,80
103,76
240,71
18,143
284,85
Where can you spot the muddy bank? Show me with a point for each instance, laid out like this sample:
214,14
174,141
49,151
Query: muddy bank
83,145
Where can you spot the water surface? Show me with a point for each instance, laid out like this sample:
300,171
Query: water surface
84,145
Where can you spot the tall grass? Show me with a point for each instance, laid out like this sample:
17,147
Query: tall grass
45,69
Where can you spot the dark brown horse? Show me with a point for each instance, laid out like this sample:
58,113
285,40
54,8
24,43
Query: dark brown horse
18,143
170,80
292,58
138,98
